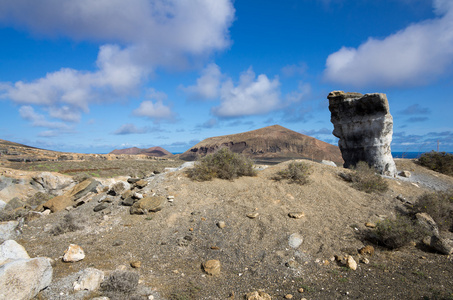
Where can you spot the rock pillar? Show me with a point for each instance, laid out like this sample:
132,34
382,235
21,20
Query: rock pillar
365,127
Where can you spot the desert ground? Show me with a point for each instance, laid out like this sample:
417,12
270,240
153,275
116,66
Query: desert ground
256,246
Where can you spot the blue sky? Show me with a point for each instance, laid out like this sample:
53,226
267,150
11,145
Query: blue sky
93,76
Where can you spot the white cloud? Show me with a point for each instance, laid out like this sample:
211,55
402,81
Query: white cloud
154,110
252,96
415,55
207,86
28,113
137,35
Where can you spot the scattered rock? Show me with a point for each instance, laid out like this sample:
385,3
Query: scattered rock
297,215
295,240
370,225
292,264
148,204
428,223
406,174
90,280
11,250
171,198
127,194
212,267
221,224
138,196
117,243
128,201
364,125
100,207
352,264
2,205
133,180
24,278
73,253
141,183
118,188
301,290
253,215
136,264
288,296
258,295
328,163
367,250
365,260
8,230
61,202
441,245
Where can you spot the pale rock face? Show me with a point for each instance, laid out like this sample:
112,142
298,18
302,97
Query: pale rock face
89,280
364,125
24,278
53,183
11,250
73,253
8,230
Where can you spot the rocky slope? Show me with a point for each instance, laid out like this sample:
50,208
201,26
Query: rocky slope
271,142
268,235
153,151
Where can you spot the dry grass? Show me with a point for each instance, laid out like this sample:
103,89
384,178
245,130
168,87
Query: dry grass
296,172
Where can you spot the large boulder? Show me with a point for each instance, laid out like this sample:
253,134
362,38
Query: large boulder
67,199
8,230
24,278
148,204
11,250
53,183
364,125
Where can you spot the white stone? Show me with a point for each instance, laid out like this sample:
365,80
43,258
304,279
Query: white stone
295,240
328,163
8,230
2,205
52,182
10,249
73,253
352,264
89,280
22,279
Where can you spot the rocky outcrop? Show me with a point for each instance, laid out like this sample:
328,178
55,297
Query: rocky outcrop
61,202
268,143
153,151
365,127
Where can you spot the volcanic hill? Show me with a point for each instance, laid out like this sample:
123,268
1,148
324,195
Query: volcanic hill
153,151
273,143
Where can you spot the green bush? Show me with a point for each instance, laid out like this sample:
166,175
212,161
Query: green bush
439,206
223,164
296,172
399,232
441,162
365,179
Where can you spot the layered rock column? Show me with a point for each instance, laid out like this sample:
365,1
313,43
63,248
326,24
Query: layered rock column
364,125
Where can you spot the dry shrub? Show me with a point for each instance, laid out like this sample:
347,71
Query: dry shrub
121,282
439,206
399,232
223,164
441,162
296,172
365,179
67,224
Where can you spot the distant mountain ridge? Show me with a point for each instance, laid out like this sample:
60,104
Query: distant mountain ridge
272,142
153,151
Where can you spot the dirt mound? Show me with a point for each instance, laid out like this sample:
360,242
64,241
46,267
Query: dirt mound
271,251
271,142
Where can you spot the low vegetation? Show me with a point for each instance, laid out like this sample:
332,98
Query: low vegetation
397,233
296,172
439,206
441,162
364,178
67,224
120,283
223,164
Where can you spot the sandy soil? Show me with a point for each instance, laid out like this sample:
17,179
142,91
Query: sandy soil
254,253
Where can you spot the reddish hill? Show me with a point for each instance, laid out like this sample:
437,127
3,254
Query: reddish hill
153,151
273,142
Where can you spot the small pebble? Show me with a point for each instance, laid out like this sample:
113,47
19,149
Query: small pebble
289,296
136,264
221,224
253,215
301,290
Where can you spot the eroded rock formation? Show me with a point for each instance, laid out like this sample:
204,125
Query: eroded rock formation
364,125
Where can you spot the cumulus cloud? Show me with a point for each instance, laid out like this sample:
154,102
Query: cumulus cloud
414,55
137,36
153,110
252,96
130,129
207,86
